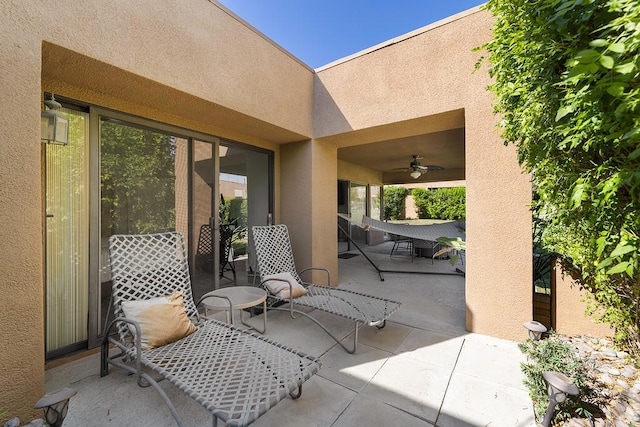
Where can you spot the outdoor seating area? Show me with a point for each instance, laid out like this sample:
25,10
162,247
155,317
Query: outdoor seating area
422,369
189,117
278,270
235,375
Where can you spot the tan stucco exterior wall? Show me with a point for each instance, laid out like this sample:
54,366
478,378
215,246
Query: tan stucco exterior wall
187,63
351,172
309,204
570,306
415,82
192,64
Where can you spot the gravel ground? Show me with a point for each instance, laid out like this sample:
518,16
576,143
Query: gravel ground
615,380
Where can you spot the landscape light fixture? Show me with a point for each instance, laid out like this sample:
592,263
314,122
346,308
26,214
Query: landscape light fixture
55,405
536,329
559,386
55,125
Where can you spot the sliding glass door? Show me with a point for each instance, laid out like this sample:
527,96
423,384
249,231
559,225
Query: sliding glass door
358,209
206,235
143,188
138,176
156,178
231,193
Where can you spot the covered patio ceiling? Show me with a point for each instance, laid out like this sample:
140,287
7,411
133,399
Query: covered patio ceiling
437,139
444,148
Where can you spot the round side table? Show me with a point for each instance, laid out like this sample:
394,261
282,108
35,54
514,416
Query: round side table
236,298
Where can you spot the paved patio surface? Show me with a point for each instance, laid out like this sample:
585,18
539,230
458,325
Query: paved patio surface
422,369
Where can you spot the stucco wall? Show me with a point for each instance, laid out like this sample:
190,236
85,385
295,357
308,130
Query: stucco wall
570,306
296,206
309,204
428,74
324,210
415,81
190,63
355,173
183,62
192,46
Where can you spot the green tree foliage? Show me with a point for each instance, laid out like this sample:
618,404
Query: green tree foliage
238,211
566,85
233,211
440,203
394,198
138,180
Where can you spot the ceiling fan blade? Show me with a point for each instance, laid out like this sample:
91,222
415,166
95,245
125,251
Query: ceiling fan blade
430,168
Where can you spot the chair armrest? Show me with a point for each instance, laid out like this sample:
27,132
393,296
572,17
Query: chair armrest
137,343
320,269
135,324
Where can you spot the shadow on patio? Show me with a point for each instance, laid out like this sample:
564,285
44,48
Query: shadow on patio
422,369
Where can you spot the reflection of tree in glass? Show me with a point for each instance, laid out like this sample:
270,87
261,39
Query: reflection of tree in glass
138,180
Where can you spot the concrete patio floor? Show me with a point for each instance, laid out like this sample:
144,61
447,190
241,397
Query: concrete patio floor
422,369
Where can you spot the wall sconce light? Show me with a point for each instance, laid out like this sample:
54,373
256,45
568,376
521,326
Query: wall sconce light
559,386
415,174
55,406
55,126
536,329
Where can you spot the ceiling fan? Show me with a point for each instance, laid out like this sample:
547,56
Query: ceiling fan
416,169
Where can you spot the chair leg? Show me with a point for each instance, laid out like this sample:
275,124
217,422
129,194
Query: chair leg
264,319
411,248
395,244
433,250
296,395
324,328
150,381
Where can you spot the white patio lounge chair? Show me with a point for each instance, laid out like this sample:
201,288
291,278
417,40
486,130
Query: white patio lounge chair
276,263
234,374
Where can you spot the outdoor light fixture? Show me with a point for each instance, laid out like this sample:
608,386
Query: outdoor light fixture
559,386
416,170
55,126
55,406
536,329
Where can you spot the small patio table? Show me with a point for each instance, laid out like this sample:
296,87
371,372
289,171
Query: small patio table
236,298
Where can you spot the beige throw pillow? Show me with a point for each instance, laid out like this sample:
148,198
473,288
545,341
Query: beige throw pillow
162,320
281,289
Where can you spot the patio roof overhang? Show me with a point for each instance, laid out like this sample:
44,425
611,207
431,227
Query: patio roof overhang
81,77
438,139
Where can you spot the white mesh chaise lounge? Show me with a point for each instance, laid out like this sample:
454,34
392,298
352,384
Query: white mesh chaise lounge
275,260
234,374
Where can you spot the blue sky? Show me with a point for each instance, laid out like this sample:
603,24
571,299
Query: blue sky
321,31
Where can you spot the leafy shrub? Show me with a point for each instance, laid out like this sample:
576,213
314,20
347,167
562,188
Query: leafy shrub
553,354
238,211
240,246
394,198
566,78
440,203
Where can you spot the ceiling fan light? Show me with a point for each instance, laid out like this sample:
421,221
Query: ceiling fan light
415,174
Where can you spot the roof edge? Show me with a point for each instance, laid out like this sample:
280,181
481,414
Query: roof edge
259,33
404,37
